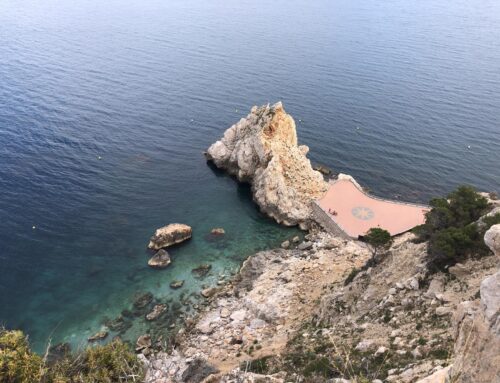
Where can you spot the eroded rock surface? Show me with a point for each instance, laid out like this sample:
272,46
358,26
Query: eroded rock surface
160,260
262,149
492,239
170,235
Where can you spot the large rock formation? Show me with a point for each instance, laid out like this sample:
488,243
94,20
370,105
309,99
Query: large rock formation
170,235
262,149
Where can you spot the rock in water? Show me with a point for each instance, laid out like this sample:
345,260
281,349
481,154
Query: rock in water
262,149
160,260
208,292
98,336
170,235
157,311
218,231
176,284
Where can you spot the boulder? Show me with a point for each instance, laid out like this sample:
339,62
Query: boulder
160,260
492,239
459,271
170,235
218,231
157,311
197,371
490,300
142,300
208,292
143,342
262,149
305,246
176,284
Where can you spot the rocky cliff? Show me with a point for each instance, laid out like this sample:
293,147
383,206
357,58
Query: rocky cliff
317,312
262,149
477,328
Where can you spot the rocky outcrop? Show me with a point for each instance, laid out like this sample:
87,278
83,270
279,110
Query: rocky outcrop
477,328
170,235
492,239
319,297
262,149
477,325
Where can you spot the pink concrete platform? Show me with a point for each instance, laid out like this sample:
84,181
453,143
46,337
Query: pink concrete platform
357,212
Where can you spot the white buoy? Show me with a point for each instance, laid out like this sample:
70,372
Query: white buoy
99,157
33,227
192,120
468,146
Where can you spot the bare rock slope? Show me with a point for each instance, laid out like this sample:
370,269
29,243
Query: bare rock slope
262,149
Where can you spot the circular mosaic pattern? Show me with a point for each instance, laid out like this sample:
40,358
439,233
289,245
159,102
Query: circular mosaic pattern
363,213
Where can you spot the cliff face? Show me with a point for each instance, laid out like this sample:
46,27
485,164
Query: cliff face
477,327
291,311
262,149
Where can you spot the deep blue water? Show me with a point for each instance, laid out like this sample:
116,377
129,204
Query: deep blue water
391,92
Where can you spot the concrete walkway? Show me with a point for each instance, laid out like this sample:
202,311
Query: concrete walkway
357,212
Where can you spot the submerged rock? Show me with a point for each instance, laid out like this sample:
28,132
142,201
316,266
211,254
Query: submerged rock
118,324
157,311
58,352
262,149
170,235
202,270
160,260
176,284
143,300
218,231
98,336
143,342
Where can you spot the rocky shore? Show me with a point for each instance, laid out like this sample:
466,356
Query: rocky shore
321,310
284,302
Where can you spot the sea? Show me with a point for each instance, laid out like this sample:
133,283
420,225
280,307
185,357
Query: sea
107,106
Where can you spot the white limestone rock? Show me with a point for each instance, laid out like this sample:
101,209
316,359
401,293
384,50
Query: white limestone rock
262,149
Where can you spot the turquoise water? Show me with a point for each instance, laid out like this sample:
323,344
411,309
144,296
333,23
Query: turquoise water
393,93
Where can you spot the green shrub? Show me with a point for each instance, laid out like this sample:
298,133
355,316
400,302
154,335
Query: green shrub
451,229
17,363
320,367
258,366
111,363
379,241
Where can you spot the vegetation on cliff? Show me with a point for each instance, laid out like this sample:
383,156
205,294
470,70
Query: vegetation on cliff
451,227
113,362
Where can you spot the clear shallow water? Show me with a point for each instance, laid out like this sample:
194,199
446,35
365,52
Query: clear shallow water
390,92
